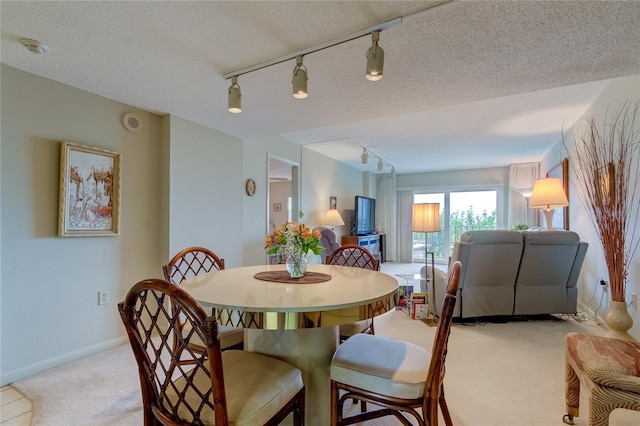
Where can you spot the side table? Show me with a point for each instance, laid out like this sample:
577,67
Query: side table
410,288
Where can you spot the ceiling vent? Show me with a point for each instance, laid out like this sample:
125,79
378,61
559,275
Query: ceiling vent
132,122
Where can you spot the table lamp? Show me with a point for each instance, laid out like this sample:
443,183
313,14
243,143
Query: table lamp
426,218
332,218
548,194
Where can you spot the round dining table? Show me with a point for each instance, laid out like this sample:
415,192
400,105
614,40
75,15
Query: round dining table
296,320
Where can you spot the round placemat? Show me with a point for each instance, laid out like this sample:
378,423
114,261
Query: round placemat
283,277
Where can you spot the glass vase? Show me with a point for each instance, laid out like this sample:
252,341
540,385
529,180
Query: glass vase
296,265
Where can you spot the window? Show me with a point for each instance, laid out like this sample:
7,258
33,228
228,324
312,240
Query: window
460,211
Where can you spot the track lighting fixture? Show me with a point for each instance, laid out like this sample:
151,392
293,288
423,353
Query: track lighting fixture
393,171
364,158
299,81
235,96
375,59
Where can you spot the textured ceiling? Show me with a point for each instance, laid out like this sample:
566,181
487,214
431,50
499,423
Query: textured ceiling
467,84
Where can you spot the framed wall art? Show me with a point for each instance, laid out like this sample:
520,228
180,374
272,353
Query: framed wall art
333,203
561,171
277,207
89,203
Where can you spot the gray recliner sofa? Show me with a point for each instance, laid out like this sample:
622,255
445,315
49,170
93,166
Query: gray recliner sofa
329,241
506,273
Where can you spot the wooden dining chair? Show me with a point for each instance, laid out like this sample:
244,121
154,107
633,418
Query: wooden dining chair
230,387
358,257
399,378
193,261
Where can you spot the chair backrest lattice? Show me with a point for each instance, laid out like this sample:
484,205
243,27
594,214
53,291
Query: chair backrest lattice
190,262
353,255
435,376
159,343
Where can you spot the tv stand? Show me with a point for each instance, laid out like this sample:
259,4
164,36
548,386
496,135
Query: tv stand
370,242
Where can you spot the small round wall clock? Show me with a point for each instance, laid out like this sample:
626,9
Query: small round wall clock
250,187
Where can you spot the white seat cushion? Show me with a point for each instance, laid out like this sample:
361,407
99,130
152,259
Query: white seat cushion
381,365
257,387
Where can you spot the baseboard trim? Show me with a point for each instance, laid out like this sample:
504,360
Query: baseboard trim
21,373
590,313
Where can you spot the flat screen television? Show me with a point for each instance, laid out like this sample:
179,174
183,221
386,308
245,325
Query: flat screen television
365,215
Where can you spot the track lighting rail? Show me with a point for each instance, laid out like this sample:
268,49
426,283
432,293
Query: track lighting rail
316,48
364,159
375,60
361,33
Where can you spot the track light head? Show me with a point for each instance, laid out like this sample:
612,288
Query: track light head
299,80
380,164
393,171
235,96
375,59
364,158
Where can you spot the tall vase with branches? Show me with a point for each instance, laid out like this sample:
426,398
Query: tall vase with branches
606,173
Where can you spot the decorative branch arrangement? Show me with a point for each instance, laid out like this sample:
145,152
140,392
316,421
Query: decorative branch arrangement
607,172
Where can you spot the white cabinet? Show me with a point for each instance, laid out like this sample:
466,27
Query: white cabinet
370,242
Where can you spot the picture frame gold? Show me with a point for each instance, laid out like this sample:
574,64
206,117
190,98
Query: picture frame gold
250,187
561,171
89,193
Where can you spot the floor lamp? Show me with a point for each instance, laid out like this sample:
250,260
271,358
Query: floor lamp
548,194
426,218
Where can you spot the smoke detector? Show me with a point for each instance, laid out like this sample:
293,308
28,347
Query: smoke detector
34,46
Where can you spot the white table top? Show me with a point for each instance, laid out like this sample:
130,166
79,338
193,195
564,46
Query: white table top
351,295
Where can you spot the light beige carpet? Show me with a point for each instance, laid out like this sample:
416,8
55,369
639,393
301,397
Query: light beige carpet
497,374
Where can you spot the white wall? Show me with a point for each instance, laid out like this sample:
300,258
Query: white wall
49,285
322,178
279,192
255,165
206,190
613,96
182,184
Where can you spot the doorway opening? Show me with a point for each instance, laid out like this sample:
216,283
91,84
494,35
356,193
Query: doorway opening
282,198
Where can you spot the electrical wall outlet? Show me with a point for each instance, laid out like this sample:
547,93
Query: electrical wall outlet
103,297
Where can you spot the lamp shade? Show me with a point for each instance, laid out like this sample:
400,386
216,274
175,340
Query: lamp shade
426,217
548,193
332,218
